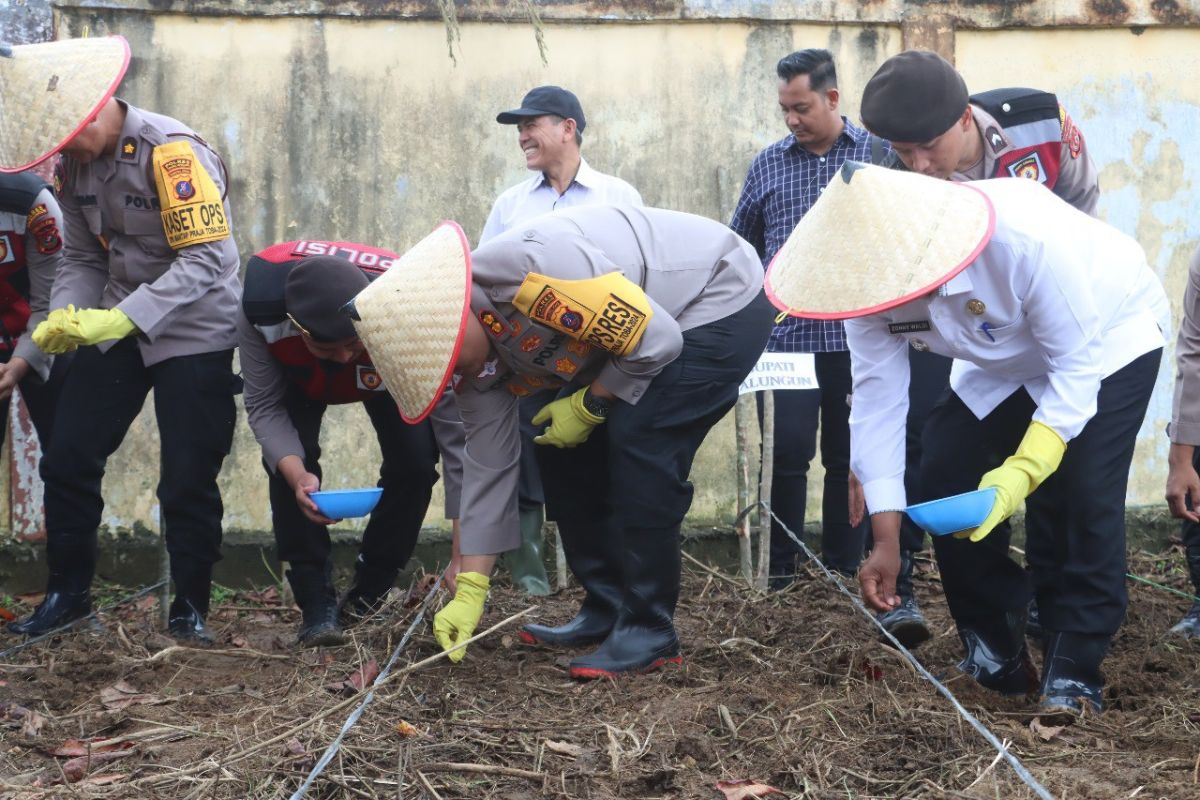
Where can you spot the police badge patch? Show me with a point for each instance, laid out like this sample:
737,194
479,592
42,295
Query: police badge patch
1028,167
367,378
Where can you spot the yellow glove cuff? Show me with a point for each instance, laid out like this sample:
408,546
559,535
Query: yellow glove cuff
581,410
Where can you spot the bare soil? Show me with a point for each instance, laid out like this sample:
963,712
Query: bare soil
791,690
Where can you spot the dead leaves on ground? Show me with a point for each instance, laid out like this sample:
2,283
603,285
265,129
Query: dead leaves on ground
122,695
357,680
746,788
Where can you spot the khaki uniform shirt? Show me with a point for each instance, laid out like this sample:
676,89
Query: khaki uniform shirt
1185,410
183,301
693,271
1078,182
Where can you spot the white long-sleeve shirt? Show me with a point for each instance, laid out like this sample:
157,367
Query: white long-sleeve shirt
1056,302
535,196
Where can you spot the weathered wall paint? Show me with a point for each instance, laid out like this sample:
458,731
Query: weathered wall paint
367,131
1135,99
362,128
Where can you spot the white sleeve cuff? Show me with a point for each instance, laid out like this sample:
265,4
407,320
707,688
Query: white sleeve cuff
885,494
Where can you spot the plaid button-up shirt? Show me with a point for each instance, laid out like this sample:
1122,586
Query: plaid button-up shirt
783,183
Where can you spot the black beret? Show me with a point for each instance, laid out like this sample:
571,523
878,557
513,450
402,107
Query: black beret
914,96
316,289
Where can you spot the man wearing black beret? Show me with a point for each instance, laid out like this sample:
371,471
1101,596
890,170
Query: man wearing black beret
920,102
300,355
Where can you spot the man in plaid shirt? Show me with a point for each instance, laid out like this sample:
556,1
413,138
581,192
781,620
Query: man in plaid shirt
783,183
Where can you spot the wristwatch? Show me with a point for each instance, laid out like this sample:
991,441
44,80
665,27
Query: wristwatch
596,406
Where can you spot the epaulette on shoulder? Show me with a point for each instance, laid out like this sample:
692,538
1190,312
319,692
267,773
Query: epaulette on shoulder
1017,105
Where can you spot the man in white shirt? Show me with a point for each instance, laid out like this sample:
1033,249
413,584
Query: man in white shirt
1056,324
550,124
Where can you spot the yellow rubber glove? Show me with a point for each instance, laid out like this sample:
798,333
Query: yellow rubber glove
1038,455
67,329
456,622
570,422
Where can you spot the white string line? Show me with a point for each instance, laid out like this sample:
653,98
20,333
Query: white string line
983,730
336,744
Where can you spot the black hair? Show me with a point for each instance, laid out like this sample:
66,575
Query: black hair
814,62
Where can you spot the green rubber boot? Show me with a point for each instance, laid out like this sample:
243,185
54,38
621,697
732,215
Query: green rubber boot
525,563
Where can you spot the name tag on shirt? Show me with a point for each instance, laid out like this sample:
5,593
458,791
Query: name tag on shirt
781,371
916,326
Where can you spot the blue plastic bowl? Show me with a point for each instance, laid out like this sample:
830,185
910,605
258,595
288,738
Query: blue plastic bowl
344,503
952,514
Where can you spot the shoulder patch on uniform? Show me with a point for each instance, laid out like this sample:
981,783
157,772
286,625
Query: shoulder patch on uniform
610,311
192,211
1028,167
43,227
1071,136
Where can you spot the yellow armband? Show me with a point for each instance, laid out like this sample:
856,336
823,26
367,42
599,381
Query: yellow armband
192,211
610,312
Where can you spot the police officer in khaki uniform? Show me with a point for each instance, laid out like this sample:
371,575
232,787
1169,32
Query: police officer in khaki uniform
148,294
299,355
646,321
31,244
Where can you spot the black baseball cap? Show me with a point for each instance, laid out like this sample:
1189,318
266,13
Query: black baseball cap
546,100
914,96
316,289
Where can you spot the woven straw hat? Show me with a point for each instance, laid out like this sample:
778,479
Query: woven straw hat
412,317
877,238
49,91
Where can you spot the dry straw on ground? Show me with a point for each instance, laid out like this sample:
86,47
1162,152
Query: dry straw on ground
790,690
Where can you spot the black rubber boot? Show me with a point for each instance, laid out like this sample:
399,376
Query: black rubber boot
1033,624
312,586
367,593
905,622
595,561
643,638
1071,679
997,657
185,617
68,588
1189,626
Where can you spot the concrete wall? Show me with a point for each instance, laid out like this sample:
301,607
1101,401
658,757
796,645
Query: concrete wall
349,120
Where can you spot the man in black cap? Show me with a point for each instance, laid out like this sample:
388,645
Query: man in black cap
550,125
299,355
920,102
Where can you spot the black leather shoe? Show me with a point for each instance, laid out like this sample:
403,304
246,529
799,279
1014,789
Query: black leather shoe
1189,626
366,594
320,628
312,586
905,622
56,610
1071,679
185,623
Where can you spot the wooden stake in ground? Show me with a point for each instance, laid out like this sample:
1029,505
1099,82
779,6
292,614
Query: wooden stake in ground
764,491
743,415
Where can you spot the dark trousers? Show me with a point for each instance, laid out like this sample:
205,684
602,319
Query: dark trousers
1074,522
633,470
796,417
407,475
530,495
101,396
41,397
929,381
